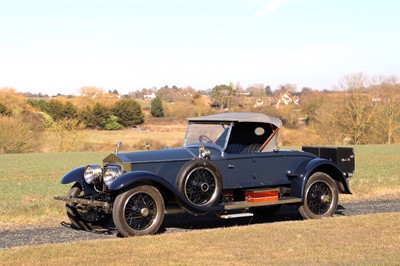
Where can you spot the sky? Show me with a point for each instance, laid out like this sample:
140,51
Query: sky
59,46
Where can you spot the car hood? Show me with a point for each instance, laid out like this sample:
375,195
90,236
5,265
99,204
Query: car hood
126,159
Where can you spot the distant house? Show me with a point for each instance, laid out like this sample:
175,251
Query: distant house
150,96
287,98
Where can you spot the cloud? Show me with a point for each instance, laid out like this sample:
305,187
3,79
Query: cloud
274,5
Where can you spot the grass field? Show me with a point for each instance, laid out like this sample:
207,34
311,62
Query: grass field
28,182
377,171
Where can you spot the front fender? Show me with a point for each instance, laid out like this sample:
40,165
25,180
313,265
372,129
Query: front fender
304,172
136,177
130,178
76,175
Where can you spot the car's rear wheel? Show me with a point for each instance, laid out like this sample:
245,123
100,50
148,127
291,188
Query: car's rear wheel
200,182
139,211
320,197
83,217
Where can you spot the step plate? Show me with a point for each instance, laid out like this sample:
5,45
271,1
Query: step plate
236,215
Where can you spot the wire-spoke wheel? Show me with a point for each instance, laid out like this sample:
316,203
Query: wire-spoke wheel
139,211
200,186
320,198
200,182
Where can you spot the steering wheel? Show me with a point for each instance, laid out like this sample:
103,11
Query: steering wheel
205,139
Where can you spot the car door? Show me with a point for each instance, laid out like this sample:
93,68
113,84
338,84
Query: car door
271,168
238,171
265,169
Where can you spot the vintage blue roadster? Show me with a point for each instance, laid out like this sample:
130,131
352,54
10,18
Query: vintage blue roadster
229,164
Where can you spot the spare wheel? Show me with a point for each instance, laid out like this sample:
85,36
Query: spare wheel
200,182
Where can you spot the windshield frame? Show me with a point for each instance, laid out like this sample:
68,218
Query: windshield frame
225,125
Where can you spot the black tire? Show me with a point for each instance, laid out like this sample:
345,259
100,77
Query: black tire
139,211
200,182
81,219
320,197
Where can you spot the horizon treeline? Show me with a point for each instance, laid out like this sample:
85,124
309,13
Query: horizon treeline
360,111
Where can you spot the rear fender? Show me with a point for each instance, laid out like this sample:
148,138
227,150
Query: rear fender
304,172
133,178
76,175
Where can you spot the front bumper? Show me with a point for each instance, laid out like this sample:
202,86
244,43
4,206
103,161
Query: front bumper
93,203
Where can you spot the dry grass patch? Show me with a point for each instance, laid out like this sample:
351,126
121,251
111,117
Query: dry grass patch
359,240
165,135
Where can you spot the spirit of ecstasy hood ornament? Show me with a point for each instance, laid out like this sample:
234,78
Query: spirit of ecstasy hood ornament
119,143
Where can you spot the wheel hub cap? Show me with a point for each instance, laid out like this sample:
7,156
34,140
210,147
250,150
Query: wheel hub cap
144,212
205,187
325,199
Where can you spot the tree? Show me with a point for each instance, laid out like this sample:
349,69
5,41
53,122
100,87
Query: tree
128,112
389,112
91,91
311,102
256,90
157,109
268,90
356,120
222,96
55,109
70,111
112,123
38,104
96,116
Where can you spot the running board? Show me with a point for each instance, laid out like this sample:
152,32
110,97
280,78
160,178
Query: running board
236,215
237,205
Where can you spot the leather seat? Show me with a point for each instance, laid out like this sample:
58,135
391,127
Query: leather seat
251,148
239,148
235,148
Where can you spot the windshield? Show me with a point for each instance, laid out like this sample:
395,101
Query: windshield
208,133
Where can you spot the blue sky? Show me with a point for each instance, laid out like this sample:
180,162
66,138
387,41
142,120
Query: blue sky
58,46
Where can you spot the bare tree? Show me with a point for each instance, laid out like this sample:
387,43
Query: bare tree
389,100
256,90
359,110
91,91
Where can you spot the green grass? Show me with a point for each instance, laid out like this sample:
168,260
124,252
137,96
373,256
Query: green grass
28,182
377,169
356,240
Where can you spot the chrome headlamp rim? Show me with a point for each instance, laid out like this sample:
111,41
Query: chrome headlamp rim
110,173
93,173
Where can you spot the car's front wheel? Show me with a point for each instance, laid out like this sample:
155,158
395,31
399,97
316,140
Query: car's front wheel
320,197
139,211
84,218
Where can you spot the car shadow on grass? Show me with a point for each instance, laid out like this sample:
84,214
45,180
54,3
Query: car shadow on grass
186,222
183,222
